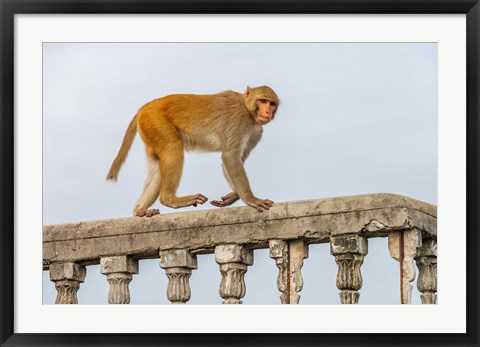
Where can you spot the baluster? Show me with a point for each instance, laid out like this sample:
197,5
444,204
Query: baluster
403,247
233,261
289,257
67,278
427,266
349,251
178,265
119,271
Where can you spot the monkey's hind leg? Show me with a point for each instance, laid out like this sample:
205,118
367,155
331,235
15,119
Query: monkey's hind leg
151,188
171,156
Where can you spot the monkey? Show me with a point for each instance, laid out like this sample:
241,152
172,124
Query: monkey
228,122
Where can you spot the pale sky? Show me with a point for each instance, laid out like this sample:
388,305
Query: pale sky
355,118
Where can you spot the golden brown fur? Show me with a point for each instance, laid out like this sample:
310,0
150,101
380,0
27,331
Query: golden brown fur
227,122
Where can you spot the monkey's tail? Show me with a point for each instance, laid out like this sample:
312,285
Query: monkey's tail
124,148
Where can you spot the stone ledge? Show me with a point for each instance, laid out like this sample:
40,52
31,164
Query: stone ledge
373,215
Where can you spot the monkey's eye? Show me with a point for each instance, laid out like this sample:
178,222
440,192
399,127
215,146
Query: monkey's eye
266,101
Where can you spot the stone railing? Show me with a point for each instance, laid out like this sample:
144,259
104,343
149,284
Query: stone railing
233,233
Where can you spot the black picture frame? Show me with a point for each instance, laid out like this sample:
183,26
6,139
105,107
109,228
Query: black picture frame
8,9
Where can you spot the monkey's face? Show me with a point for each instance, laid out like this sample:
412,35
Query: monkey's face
265,110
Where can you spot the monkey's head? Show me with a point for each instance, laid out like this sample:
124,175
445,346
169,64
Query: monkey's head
262,102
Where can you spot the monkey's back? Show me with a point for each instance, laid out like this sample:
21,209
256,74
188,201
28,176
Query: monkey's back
200,120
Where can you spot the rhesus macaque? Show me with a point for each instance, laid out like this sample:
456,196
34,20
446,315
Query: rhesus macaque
227,122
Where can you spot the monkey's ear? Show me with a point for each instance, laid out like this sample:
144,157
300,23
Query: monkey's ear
247,92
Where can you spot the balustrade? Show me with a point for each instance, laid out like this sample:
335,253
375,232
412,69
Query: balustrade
67,277
349,251
427,279
289,257
119,271
232,234
178,265
233,261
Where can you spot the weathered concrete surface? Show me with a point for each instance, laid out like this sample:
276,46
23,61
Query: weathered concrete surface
200,231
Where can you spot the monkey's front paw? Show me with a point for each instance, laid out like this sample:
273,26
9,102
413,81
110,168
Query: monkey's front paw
147,213
260,204
199,199
227,200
